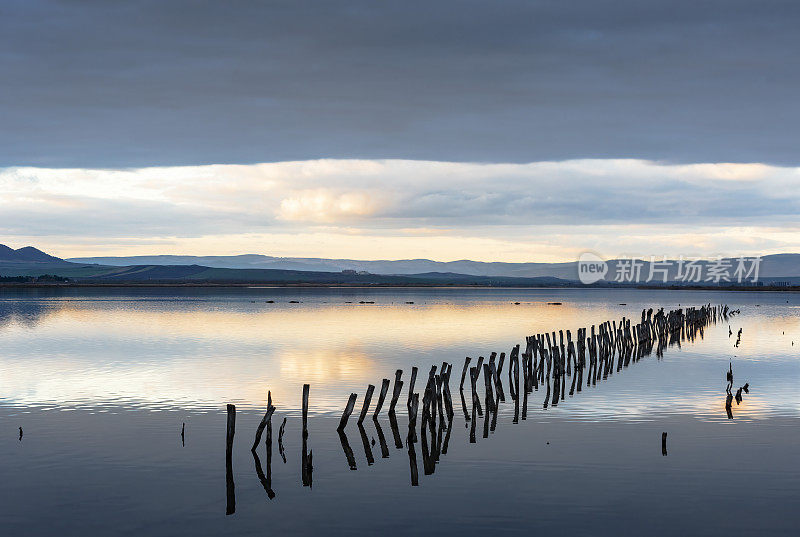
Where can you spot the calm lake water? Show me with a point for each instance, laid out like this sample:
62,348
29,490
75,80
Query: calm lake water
101,381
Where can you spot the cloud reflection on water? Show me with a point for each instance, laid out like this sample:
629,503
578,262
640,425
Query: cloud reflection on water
199,354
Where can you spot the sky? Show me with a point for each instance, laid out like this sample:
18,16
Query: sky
510,131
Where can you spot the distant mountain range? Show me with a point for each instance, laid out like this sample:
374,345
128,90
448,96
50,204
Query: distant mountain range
261,269
772,266
30,262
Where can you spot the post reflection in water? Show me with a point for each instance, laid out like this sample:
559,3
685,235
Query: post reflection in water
601,354
398,442
605,352
381,439
365,443
412,457
170,339
348,451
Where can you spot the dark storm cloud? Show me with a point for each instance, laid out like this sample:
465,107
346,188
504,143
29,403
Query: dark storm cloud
105,83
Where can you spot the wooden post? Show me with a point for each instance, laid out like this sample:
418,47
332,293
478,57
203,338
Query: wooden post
439,398
412,409
464,372
381,397
398,387
230,431
664,444
306,457
347,411
365,407
306,388
487,381
473,377
411,385
498,382
267,417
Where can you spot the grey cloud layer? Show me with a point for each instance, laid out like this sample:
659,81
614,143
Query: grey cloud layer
98,83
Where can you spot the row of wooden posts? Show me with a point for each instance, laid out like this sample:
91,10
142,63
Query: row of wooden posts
546,356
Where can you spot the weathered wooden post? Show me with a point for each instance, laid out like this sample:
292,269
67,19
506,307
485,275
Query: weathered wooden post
306,388
381,397
439,397
230,431
487,381
448,398
497,381
365,406
664,444
464,373
411,385
266,419
306,458
351,403
412,409
473,377
398,387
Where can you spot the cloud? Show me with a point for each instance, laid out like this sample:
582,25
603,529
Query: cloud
400,208
153,83
322,205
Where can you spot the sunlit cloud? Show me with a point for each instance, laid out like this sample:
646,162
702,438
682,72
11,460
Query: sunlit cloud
540,211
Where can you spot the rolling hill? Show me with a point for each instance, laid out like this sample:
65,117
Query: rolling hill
243,269
778,266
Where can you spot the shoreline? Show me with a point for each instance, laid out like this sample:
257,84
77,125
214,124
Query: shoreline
81,285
